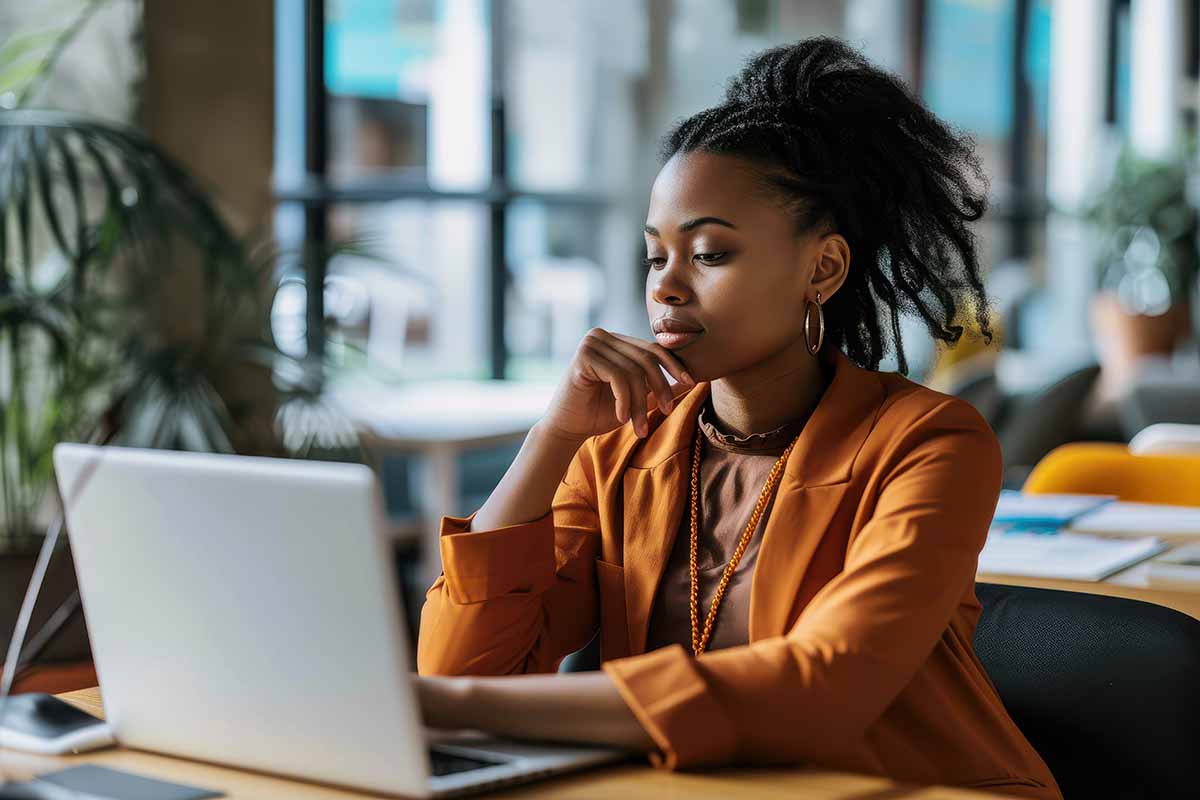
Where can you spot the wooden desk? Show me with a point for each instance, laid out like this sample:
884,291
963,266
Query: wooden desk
631,782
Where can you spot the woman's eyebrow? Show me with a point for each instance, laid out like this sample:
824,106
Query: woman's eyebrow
692,224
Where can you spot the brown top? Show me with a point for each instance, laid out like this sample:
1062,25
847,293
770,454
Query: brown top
733,470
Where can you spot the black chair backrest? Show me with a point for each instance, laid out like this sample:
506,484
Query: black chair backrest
1105,688
1036,423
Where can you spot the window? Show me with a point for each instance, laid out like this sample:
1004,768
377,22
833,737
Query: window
471,151
987,71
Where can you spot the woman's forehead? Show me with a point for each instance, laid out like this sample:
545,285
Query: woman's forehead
703,184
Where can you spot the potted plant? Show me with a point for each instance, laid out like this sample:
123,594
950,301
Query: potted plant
1147,264
98,226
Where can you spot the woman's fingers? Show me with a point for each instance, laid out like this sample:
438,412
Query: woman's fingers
633,370
617,378
633,379
651,358
664,356
648,363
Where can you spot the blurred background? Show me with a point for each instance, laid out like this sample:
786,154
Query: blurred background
377,229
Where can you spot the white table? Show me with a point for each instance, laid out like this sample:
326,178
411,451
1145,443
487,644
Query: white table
439,420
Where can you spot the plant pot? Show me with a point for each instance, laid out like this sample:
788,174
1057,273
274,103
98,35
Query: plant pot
1122,339
16,568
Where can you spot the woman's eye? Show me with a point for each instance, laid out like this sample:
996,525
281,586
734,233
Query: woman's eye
652,263
710,258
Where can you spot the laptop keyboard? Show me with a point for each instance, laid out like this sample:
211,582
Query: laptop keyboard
443,763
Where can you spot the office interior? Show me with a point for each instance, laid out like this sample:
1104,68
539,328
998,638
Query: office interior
375,231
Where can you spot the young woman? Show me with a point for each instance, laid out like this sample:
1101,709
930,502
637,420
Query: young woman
779,550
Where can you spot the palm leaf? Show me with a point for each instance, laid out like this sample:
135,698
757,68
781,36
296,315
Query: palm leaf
27,57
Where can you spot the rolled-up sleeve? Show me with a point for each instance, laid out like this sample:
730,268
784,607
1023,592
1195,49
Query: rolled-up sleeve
515,599
812,693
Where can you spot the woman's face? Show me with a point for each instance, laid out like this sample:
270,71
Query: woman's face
726,264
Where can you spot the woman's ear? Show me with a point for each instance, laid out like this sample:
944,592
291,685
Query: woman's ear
832,265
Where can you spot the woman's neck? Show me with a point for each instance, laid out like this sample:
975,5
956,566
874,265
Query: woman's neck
784,388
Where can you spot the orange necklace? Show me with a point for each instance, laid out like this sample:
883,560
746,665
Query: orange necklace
700,641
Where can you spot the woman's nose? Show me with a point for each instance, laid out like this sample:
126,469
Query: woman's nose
667,286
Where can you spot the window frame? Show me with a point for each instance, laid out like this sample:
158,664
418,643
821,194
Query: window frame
309,186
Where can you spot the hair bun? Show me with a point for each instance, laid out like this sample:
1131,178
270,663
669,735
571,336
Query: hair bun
796,77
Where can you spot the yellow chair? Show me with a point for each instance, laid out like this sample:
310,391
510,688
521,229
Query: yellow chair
1103,468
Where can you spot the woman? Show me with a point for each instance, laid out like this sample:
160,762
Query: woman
779,551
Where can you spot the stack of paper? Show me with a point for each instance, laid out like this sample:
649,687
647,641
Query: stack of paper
1179,569
1019,511
1139,519
1075,556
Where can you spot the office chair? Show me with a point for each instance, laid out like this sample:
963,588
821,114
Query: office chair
1105,688
1106,468
1033,424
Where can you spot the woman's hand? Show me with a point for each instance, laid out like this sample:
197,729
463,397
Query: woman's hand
608,383
584,707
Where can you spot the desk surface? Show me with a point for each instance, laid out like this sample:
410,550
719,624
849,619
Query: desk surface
628,782
438,412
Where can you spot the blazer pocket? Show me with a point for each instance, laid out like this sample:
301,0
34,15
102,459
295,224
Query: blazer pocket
614,627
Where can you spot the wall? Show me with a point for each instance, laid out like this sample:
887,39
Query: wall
208,99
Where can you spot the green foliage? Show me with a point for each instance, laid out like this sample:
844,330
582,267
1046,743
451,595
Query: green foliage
27,56
95,223
1149,254
97,228
101,232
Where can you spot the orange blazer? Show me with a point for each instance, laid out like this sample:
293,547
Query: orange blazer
862,604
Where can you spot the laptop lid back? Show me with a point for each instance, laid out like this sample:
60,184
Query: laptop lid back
246,611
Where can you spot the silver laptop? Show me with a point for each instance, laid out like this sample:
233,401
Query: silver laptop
246,611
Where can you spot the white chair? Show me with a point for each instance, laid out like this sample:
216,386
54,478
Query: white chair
1166,437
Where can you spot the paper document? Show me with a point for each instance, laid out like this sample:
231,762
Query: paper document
1178,569
1074,556
1140,518
1045,510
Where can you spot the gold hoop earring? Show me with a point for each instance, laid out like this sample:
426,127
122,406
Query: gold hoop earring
820,325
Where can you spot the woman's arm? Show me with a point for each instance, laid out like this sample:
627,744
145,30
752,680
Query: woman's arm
515,599
582,708
518,584
527,488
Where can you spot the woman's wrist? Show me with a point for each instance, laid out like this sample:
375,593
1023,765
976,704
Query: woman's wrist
584,708
447,702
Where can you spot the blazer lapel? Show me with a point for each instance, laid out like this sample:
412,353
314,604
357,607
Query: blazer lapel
811,490
655,487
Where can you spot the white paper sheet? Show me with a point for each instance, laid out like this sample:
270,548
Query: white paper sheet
1140,518
1074,556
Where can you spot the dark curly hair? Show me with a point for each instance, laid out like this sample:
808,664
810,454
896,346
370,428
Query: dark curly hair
849,149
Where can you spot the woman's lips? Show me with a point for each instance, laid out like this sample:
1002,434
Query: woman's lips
674,341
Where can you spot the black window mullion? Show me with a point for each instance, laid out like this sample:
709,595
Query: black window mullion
316,154
497,250
498,207
1020,140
